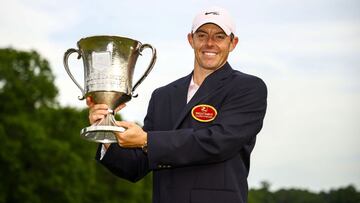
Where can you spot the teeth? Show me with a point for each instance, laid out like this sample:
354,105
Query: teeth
209,53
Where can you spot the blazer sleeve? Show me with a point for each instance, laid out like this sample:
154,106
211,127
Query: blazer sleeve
238,121
129,164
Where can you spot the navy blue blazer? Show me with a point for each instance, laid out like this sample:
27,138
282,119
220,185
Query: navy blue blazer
194,161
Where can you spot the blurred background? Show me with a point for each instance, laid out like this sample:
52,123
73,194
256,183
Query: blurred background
307,52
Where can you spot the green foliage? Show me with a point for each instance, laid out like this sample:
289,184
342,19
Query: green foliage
26,82
261,195
42,157
342,195
297,196
264,195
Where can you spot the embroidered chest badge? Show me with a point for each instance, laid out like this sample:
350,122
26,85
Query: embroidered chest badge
203,113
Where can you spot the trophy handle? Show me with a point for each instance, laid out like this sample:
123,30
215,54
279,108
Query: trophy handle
151,65
66,65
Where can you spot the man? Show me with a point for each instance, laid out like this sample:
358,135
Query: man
199,131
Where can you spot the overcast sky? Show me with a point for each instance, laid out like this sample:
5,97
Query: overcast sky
306,51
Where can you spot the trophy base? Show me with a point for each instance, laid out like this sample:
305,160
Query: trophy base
103,131
101,134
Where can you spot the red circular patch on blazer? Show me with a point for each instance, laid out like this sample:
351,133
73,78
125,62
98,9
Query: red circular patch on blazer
203,113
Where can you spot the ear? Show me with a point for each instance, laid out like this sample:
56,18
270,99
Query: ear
190,39
233,43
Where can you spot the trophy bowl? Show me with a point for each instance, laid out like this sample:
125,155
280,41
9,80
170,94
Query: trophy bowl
109,63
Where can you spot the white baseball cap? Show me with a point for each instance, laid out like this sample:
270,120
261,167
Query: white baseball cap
215,15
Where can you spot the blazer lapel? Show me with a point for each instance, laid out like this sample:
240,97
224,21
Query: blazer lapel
179,97
213,82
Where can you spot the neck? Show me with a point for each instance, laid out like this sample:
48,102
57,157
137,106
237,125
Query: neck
200,74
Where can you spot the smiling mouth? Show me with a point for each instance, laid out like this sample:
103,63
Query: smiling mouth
209,53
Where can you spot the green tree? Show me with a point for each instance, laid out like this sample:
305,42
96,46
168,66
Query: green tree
262,195
26,82
342,195
42,157
297,196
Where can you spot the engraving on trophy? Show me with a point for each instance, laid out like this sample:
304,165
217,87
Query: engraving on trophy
101,81
101,60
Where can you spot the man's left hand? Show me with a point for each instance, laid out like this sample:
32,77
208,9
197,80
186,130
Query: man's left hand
132,137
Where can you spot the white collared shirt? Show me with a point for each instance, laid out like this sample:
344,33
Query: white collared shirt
193,87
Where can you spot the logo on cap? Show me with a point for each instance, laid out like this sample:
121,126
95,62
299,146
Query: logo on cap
214,13
204,113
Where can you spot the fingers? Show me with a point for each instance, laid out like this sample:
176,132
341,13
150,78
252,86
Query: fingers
93,118
97,112
124,124
98,107
125,141
121,139
132,137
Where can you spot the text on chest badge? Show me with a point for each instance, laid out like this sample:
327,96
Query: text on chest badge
203,113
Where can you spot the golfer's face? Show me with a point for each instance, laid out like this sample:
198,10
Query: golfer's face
211,46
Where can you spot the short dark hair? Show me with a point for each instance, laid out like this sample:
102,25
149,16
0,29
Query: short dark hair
232,36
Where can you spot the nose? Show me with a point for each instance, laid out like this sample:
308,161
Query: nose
210,41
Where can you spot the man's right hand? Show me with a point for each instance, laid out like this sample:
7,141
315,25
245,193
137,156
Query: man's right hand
99,111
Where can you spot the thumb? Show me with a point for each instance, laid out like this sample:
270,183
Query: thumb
124,124
89,101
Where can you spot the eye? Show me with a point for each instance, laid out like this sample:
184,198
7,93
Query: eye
201,35
220,37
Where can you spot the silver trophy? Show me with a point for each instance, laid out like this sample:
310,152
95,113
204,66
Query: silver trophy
109,63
